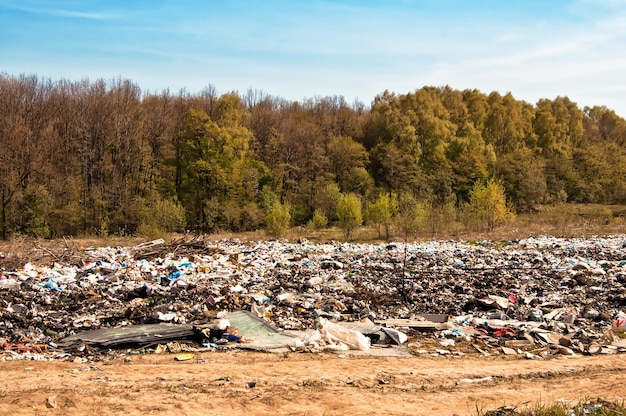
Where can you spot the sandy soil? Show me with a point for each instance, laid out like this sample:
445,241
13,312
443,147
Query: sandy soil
253,383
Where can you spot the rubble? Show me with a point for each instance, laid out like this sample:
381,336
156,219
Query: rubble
534,297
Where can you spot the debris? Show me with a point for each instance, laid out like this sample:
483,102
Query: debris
480,350
518,343
149,244
446,342
51,402
508,351
337,335
565,351
561,295
498,301
409,323
475,380
257,333
398,337
136,335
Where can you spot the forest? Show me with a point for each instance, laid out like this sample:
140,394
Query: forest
103,157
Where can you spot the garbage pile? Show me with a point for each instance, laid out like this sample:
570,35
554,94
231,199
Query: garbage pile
534,297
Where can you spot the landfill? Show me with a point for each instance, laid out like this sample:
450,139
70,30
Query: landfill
533,298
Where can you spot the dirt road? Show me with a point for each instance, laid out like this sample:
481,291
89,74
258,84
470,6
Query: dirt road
234,383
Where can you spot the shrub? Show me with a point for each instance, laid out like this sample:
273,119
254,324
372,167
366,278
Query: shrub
159,217
169,215
327,200
349,213
318,221
277,219
382,212
488,205
241,219
411,215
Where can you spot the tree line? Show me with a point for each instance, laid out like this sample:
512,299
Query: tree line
103,157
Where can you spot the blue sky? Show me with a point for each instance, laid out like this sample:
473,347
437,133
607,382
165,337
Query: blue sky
303,49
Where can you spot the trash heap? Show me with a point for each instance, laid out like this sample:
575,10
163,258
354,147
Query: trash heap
534,297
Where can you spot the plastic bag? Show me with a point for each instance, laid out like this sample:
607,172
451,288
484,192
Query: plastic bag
337,334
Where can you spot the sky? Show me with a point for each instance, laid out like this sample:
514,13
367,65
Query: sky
301,49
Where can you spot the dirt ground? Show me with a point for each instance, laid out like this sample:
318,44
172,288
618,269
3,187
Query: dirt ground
254,383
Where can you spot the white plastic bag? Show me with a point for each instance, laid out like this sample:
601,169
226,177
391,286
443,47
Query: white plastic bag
337,334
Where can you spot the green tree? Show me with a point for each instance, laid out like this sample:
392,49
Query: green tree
411,216
382,212
389,123
349,213
477,108
439,217
509,123
348,161
557,124
488,205
395,170
213,163
326,200
278,219
318,221
159,217
432,124
522,174
470,159
36,203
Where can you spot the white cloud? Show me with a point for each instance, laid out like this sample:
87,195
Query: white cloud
59,12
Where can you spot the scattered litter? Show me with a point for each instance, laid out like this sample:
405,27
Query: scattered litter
508,351
134,335
532,298
184,356
475,380
51,402
339,336
398,337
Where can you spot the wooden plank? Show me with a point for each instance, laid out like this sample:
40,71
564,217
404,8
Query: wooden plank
434,317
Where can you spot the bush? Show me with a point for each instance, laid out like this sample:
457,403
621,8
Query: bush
327,200
150,230
266,198
160,217
169,215
411,216
381,213
440,218
241,219
318,221
488,205
277,219
349,213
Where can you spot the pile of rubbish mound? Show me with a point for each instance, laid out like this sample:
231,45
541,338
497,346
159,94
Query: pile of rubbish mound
533,298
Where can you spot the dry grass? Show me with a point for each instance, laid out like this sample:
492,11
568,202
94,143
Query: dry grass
596,407
571,220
